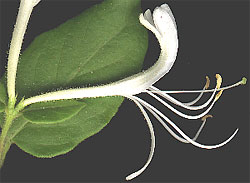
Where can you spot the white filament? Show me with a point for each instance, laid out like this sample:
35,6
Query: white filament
147,105
180,113
186,106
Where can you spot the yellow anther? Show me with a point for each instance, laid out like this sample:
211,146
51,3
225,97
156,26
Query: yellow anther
207,82
218,95
219,81
206,116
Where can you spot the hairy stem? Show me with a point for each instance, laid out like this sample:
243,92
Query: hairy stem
4,142
25,10
3,152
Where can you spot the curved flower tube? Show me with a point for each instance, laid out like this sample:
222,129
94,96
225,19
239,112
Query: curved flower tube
163,25
139,82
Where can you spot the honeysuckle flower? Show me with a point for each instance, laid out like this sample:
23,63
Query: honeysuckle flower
163,25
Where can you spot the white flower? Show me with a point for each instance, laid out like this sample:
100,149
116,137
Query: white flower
139,82
35,2
25,10
162,24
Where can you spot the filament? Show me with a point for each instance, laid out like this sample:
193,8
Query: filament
147,105
172,132
204,119
180,113
171,99
186,106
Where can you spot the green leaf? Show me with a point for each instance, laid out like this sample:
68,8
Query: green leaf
3,91
48,140
2,107
3,99
103,44
18,125
53,112
1,119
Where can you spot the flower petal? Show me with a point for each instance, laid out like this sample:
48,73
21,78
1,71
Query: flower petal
163,19
148,17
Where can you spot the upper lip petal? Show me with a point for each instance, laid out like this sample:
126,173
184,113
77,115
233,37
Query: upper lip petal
161,19
164,10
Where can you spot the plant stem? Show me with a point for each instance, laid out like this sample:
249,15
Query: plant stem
4,142
4,152
25,10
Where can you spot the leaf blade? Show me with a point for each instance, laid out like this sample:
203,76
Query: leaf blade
3,99
68,133
64,57
3,91
67,57
53,112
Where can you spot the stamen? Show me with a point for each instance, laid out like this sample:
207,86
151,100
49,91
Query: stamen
207,82
241,82
173,100
218,95
219,81
147,105
184,105
137,173
180,113
204,118
151,129
166,127
172,132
